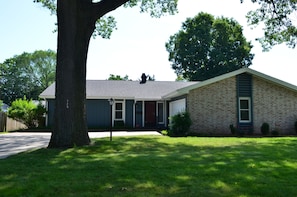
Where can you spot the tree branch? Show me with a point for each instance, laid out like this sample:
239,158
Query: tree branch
104,6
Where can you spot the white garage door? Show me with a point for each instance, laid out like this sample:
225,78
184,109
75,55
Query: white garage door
177,106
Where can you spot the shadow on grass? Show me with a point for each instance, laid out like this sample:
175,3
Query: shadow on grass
156,166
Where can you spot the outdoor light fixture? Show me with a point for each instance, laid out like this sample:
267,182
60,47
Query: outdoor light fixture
111,102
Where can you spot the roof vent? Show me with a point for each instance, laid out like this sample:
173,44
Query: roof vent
143,78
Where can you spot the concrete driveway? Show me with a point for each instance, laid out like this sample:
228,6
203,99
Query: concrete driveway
13,143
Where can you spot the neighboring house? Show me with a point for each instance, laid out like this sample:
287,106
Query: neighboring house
245,98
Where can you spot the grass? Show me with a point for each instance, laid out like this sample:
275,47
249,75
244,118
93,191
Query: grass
157,166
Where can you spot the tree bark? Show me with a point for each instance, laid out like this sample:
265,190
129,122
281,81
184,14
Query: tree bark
76,23
74,32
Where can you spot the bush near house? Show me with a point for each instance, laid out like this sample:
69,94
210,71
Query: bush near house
180,124
233,129
27,112
265,128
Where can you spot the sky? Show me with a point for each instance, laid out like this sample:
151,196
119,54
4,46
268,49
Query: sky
138,44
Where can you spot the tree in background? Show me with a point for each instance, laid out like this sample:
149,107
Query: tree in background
126,78
151,78
278,18
207,47
78,20
27,75
118,77
26,111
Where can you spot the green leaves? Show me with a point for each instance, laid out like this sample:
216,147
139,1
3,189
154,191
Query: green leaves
26,111
106,24
206,47
27,75
156,8
278,18
50,4
180,124
118,77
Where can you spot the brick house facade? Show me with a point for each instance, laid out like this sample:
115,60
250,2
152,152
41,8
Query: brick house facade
274,104
213,107
244,98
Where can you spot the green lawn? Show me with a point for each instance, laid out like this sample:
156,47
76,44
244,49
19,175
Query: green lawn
157,166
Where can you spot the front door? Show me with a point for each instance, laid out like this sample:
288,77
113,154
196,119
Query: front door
150,114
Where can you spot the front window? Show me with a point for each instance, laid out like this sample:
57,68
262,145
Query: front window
119,111
244,109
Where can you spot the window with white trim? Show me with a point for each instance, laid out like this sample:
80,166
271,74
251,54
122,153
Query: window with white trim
244,109
119,110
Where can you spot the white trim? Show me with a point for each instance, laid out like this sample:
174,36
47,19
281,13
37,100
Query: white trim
186,90
249,109
123,102
157,112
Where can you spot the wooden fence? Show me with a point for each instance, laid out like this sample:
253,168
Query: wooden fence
9,124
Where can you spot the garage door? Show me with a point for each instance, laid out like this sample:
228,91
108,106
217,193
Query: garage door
177,106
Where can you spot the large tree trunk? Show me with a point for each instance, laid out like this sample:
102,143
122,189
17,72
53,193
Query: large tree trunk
74,32
76,23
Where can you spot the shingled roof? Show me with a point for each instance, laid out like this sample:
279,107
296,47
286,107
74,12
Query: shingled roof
104,89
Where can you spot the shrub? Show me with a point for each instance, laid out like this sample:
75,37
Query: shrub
265,128
180,124
164,132
233,129
26,111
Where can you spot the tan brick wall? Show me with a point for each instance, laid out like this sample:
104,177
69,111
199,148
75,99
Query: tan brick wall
213,107
275,105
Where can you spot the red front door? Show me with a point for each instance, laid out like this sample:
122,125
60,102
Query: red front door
150,114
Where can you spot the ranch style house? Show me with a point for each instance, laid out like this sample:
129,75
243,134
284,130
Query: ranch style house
244,98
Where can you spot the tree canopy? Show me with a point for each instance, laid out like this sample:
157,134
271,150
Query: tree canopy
26,111
206,47
126,78
106,24
27,75
279,19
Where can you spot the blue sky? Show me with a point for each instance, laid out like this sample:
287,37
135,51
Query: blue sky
138,45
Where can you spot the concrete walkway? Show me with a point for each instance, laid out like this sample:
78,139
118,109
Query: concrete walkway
13,143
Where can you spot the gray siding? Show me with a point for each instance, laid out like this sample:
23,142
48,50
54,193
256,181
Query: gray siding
138,114
129,113
244,89
50,112
98,113
244,85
